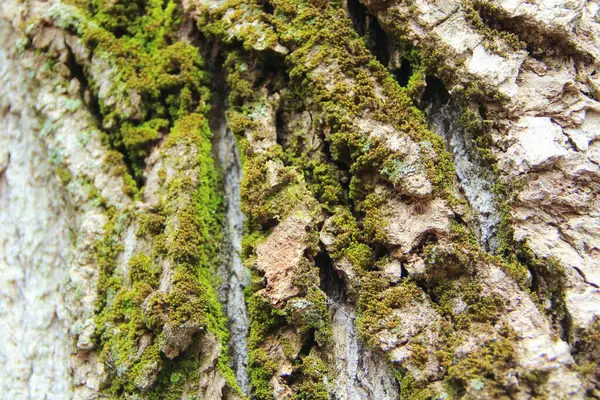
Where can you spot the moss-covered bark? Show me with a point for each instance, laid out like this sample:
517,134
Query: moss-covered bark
352,202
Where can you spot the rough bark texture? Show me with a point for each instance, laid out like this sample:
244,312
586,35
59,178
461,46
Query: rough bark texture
300,199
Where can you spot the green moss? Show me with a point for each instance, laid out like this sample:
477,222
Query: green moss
474,11
481,308
307,30
482,369
114,164
137,137
535,380
262,368
304,31
263,320
107,249
142,270
178,380
324,182
377,300
261,201
311,314
411,390
349,241
64,175
312,381
151,224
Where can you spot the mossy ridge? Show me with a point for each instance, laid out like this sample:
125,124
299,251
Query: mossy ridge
347,146
265,205
170,83
154,78
430,58
376,94
303,60
446,283
185,231
516,259
303,27
484,368
264,320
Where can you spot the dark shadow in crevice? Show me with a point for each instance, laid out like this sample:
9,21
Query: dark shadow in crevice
280,128
534,287
379,251
403,271
358,14
308,344
331,281
566,325
290,379
92,105
367,26
268,8
78,73
441,111
274,75
548,283
120,32
219,93
435,92
427,238
403,73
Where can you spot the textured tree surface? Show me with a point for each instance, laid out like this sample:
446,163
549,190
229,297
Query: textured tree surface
299,199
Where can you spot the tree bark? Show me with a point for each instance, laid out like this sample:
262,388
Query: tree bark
299,199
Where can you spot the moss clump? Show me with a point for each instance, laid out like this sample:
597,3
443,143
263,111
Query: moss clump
377,301
142,270
411,390
151,224
264,319
482,369
313,373
262,368
324,182
310,314
350,242
64,175
475,10
535,379
264,201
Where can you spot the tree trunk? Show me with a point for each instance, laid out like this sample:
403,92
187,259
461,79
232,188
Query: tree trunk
296,199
